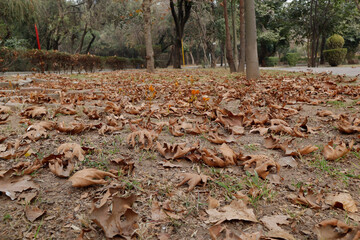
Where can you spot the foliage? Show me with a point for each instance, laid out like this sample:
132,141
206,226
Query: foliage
335,57
272,61
292,59
335,41
7,58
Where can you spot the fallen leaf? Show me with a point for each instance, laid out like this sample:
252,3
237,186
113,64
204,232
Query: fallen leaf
32,213
173,151
145,138
310,200
89,176
193,179
71,150
334,229
263,165
66,110
341,200
119,220
34,112
10,185
237,210
213,203
331,153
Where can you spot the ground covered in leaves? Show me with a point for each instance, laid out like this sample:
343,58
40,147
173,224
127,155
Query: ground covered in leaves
188,154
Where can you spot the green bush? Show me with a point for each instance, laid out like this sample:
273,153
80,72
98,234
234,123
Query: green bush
335,41
116,63
335,57
292,59
272,61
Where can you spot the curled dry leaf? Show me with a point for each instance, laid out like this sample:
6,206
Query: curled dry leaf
213,203
71,150
341,200
333,229
10,184
35,135
229,154
119,220
89,176
348,127
34,112
209,157
217,230
310,200
160,213
193,179
331,153
263,165
75,128
237,210
92,113
174,151
145,138
32,213
61,167
228,119
109,129
13,152
66,110
5,110
215,138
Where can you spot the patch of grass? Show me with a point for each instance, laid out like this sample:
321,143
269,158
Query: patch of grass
251,147
230,184
261,187
337,104
7,217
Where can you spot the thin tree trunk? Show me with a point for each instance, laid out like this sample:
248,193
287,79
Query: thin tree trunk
93,37
233,12
229,55
213,37
241,67
82,38
150,63
192,58
252,61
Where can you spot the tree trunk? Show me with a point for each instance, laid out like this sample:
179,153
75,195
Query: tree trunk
180,19
192,58
229,55
90,43
150,63
233,12
241,67
252,61
82,38
213,38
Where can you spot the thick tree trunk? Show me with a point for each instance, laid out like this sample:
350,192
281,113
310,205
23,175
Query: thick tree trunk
150,63
241,67
83,38
229,55
180,19
233,23
252,61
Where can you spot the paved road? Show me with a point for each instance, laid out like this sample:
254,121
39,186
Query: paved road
343,70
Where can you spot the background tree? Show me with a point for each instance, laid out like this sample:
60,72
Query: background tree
229,55
150,65
252,62
241,67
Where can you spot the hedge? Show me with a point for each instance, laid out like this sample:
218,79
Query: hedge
335,57
292,59
272,61
42,60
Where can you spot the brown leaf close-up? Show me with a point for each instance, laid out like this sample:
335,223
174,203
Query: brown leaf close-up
89,176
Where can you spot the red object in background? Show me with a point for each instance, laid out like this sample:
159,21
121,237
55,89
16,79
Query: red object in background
37,37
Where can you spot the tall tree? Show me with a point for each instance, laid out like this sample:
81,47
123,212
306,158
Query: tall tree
180,19
148,37
252,62
234,35
229,55
241,67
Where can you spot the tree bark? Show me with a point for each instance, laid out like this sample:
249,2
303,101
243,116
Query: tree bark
91,42
180,19
213,37
233,23
252,61
150,63
241,67
229,55
82,38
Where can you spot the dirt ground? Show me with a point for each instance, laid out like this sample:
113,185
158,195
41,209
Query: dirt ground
206,110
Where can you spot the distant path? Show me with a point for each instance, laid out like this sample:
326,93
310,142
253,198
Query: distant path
342,70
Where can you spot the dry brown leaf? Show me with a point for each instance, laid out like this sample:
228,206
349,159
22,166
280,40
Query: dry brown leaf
193,179
229,154
92,114
331,153
66,110
61,167
334,229
10,185
310,200
13,153
89,176
120,221
173,151
34,112
145,138
5,110
263,165
272,222
237,210
35,135
32,213
215,138
230,120
209,157
71,150
213,203
341,200
75,128
109,129
160,214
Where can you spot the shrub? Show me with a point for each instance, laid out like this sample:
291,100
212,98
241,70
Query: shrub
272,61
116,63
7,58
292,59
335,41
335,57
